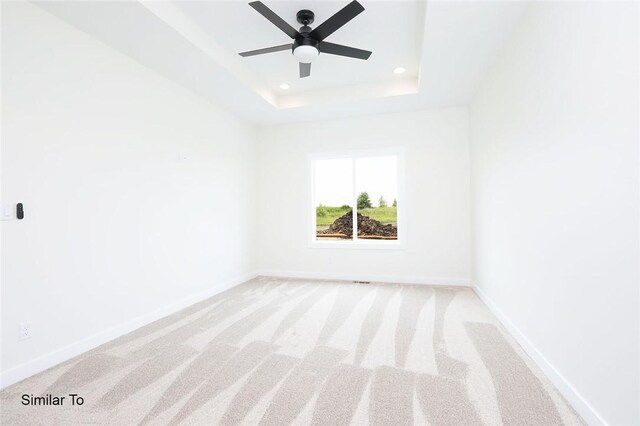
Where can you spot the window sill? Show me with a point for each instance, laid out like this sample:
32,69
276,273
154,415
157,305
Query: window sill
357,245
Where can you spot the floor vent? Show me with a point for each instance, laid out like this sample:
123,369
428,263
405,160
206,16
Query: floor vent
362,282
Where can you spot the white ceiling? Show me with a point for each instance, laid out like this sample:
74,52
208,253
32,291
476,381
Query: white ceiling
446,47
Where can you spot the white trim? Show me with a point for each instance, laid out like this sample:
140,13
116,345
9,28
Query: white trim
577,401
358,245
37,365
397,279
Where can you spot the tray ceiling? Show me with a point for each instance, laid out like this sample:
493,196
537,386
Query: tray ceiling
446,48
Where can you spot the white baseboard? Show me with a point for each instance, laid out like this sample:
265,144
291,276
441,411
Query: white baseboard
399,279
37,365
574,398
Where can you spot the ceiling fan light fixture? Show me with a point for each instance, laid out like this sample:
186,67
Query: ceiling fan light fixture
306,54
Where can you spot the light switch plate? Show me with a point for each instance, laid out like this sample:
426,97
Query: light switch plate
8,212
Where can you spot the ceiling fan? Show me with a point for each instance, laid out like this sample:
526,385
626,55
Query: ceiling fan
307,43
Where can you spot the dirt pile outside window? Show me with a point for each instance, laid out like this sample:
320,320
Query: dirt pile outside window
367,227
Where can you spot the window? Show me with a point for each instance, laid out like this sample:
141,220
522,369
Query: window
367,183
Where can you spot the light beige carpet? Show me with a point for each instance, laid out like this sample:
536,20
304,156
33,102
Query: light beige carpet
282,351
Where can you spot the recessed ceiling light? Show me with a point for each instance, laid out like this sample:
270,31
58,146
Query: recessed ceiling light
399,70
284,86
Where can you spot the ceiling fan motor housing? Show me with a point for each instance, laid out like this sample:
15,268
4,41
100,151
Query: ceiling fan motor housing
305,41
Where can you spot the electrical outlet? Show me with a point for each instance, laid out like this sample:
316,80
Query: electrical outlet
24,331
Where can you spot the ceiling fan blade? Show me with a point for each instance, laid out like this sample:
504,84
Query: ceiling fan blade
267,50
341,17
305,70
275,19
338,49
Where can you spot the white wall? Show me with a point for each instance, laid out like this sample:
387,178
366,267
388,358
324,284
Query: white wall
436,201
138,195
555,189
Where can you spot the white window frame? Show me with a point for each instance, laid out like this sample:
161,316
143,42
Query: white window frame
355,243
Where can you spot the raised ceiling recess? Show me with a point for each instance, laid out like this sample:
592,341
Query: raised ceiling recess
445,48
